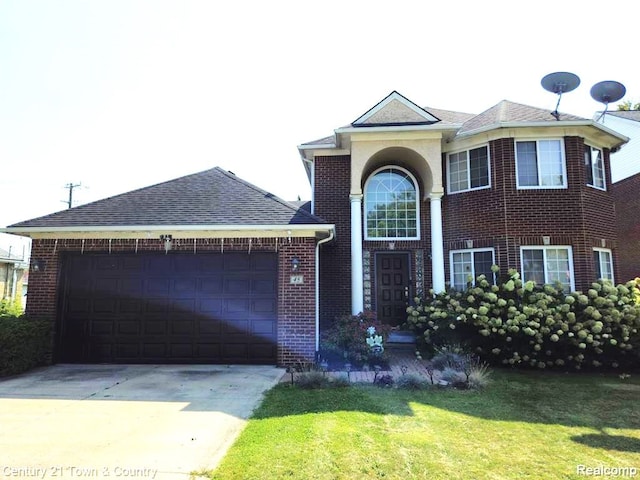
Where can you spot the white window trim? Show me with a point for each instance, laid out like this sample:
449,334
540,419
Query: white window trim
364,209
606,250
604,173
449,191
473,273
541,187
544,259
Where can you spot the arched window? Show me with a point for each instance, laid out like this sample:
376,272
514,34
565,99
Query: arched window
390,205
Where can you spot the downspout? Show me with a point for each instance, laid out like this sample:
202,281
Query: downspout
14,283
312,180
328,239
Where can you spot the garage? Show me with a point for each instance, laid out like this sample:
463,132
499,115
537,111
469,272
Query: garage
170,307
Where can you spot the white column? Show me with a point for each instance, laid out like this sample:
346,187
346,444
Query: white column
357,286
437,249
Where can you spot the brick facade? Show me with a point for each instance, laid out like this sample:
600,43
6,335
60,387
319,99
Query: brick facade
296,302
506,218
502,217
627,196
331,202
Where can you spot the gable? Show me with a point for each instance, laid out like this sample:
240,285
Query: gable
395,110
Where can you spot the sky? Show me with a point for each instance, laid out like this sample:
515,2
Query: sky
121,94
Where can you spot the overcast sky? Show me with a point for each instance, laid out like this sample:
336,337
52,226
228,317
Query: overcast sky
119,95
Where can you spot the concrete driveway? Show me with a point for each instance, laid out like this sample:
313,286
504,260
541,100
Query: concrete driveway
125,421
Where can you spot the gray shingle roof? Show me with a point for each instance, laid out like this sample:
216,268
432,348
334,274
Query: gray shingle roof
511,112
628,114
213,197
504,112
449,116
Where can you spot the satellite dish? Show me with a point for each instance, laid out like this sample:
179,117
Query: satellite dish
607,92
559,83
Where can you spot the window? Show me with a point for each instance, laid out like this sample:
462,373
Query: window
467,265
469,170
594,167
391,207
548,265
540,164
604,264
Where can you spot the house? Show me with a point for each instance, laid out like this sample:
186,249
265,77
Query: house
625,178
210,269
422,197
12,270
206,268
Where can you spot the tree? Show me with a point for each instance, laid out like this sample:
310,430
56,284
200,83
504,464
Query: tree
628,105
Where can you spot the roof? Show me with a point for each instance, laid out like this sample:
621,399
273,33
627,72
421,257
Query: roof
627,114
501,113
8,257
214,197
511,112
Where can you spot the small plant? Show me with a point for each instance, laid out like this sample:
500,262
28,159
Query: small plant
454,377
356,339
410,382
384,381
312,380
478,376
451,356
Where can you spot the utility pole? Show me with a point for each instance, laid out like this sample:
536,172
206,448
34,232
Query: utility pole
70,187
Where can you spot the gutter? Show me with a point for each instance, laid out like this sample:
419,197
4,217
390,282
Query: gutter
400,128
561,123
164,228
317,313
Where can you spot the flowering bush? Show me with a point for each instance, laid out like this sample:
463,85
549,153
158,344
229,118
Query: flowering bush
520,323
356,339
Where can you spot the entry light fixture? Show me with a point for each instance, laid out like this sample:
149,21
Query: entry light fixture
38,265
168,242
295,264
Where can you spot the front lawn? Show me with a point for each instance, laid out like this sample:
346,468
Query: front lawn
524,425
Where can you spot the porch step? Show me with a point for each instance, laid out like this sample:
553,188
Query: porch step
398,336
401,342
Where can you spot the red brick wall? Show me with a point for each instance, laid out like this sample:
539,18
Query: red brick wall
296,311
506,218
627,197
331,202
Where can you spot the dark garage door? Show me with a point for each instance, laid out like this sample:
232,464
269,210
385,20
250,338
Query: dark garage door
168,308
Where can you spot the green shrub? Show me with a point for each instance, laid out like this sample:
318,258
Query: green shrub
410,381
521,324
24,344
10,308
453,376
346,341
448,356
314,380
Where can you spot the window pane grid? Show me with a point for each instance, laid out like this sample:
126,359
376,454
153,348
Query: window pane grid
547,266
540,164
594,167
391,206
603,264
467,265
468,170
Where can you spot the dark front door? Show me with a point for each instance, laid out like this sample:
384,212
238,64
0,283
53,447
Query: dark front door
392,287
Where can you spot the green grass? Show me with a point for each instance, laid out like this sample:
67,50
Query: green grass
525,425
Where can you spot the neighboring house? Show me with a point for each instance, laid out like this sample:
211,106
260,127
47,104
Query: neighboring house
625,175
422,197
12,270
206,268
